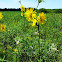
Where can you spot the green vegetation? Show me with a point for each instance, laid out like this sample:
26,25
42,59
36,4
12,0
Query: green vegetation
17,44
50,10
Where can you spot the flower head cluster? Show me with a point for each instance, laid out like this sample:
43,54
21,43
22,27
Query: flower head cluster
53,47
2,27
41,18
34,22
29,38
17,41
4,51
1,15
15,50
22,14
22,8
30,14
9,46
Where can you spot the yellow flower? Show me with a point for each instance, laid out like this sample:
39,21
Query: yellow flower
30,14
34,22
9,47
54,39
4,51
29,37
17,42
41,18
15,50
31,8
21,14
1,15
2,27
27,9
22,8
50,40
34,15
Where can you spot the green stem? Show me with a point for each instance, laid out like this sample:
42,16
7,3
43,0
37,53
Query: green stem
39,39
20,1
24,24
37,5
45,32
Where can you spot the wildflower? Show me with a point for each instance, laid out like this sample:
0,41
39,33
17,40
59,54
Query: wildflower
35,33
30,14
1,15
31,9
9,47
4,51
2,27
31,47
15,50
41,18
21,14
29,37
54,39
22,8
27,9
34,16
50,40
53,47
34,22
17,42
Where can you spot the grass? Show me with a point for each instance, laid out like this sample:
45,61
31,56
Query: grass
28,48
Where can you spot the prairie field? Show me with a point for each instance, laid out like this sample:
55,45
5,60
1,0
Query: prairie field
20,41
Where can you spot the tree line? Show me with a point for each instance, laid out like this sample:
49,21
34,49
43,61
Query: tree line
38,10
50,10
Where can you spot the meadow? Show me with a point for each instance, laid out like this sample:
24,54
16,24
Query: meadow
19,42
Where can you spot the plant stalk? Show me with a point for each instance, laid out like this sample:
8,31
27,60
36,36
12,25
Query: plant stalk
39,38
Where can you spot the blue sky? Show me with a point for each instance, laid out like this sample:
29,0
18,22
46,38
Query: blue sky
48,4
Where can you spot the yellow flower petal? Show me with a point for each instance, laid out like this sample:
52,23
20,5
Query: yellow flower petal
21,14
41,18
2,27
15,50
1,15
22,8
